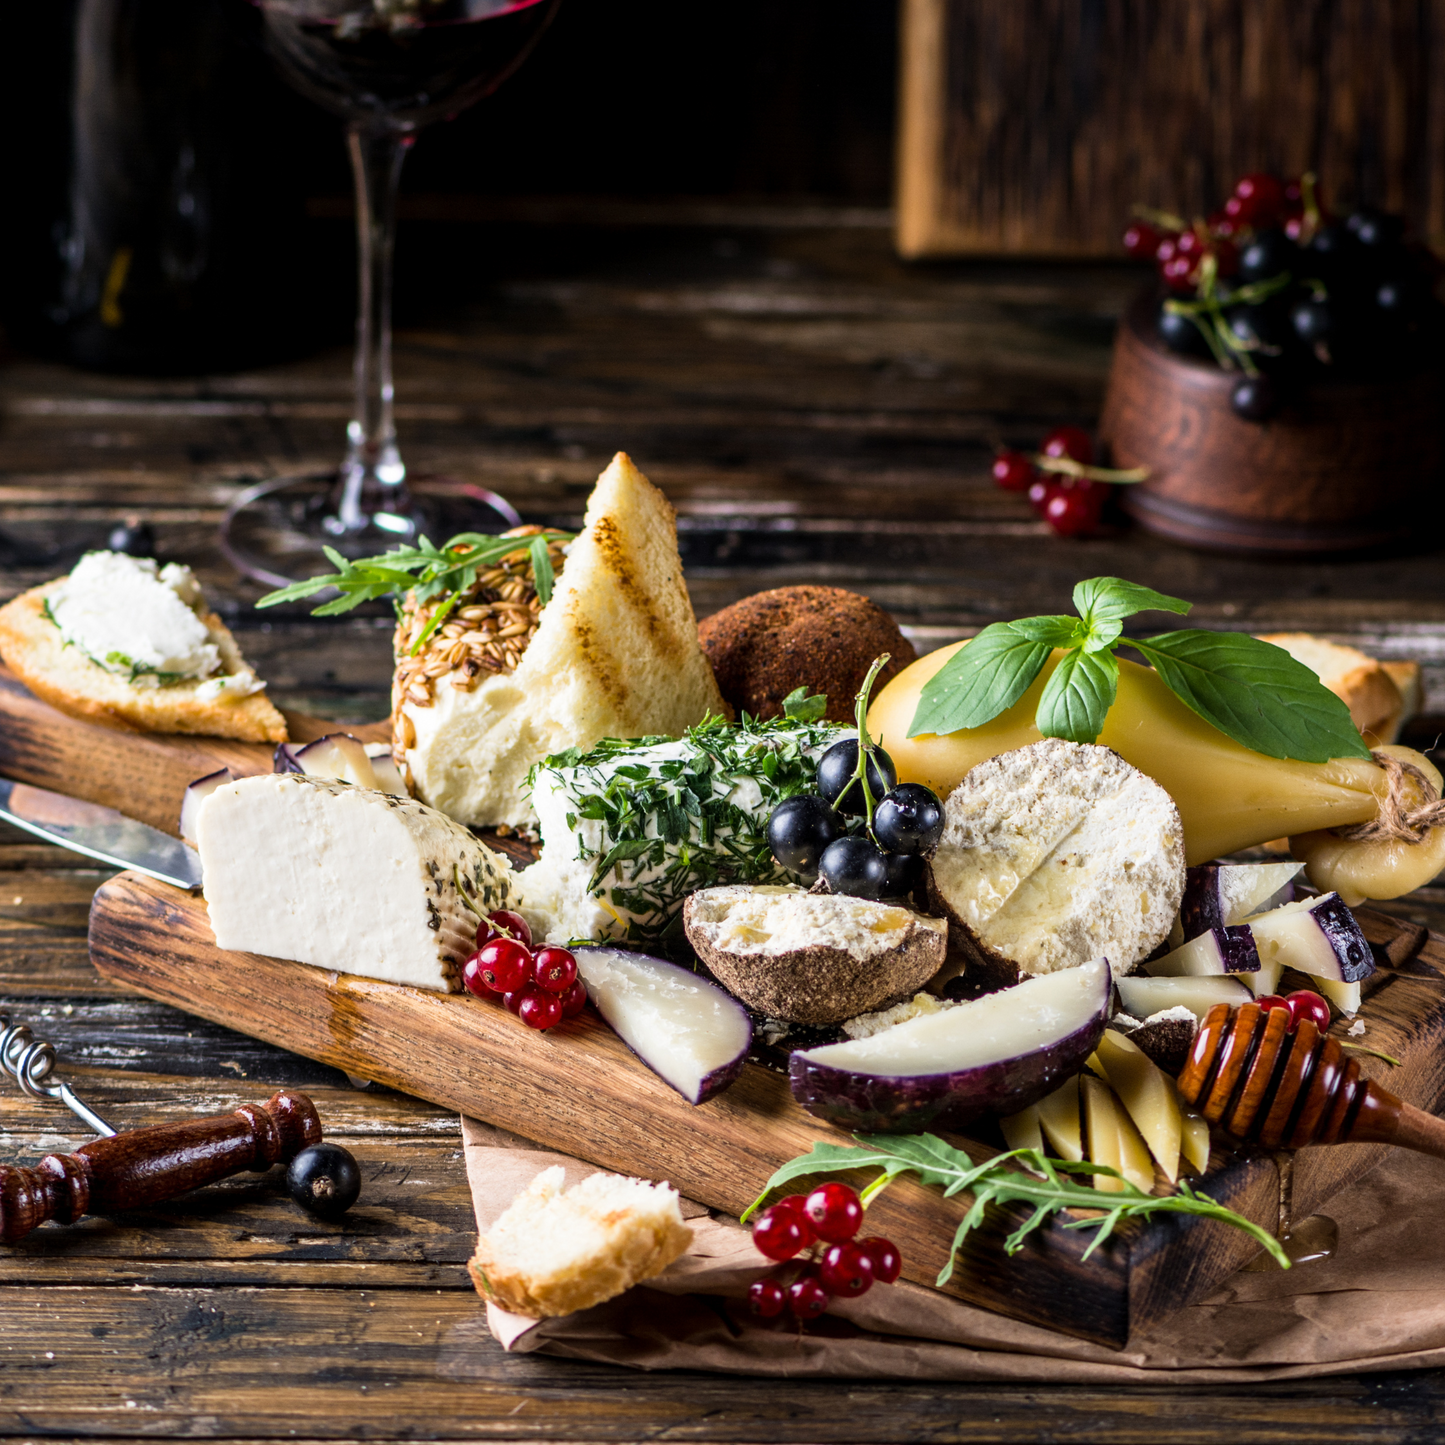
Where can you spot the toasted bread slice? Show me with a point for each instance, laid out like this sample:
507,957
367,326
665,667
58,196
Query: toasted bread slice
555,1251
33,649
1367,688
615,654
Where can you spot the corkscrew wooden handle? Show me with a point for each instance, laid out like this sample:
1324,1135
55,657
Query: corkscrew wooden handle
145,1166
1248,1074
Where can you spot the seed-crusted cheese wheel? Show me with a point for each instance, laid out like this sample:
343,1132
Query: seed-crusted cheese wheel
1056,854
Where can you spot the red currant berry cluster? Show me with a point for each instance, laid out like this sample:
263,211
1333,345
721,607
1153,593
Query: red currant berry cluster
539,985
1303,1003
1065,487
838,1265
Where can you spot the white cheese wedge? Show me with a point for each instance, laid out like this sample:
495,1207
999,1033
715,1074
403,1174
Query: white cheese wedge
1148,1096
345,878
615,654
1056,854
1145,996
1195,1142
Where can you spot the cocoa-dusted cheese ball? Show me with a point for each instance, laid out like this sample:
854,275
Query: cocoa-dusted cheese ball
821,638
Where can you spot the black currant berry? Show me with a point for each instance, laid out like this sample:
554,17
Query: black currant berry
1314,321
902,872
1264,329
798,831
1268,254
134,537
1399,297
854,866
909,819
1375,228
1181,335
324,1180
838,785
1255,398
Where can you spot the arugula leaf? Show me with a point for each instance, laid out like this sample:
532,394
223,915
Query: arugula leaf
995,1182
426,569
1255,693
801,708
982,679
1107,599
1078,695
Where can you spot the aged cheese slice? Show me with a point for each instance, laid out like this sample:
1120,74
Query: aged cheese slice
615,655
1056,854
1113,1139
1148,1096
1195,1142
345,878
1143,997
1022,1130
1059,1120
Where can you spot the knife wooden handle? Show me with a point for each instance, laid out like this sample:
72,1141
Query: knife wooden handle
145,1166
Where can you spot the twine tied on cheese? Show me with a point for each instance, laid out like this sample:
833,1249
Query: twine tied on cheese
1395,820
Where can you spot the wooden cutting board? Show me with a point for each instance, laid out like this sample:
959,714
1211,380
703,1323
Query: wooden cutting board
578,1089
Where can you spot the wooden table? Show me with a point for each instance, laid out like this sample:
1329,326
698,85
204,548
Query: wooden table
818,413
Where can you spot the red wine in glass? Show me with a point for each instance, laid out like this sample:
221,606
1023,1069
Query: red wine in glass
404,69
388,68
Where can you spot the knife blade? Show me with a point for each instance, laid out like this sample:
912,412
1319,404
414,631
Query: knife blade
100,833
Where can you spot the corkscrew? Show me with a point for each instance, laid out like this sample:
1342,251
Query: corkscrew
31,1062
143,1166
1256,1080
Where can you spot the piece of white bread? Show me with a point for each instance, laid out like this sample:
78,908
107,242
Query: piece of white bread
615,654
1371,690
33,649
555,1251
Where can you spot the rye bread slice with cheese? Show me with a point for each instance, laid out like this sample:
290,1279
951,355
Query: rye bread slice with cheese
615,654
34,650
812,958
1056,854
345,878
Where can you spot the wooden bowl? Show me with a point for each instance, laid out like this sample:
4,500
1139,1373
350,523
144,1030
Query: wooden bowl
1344,465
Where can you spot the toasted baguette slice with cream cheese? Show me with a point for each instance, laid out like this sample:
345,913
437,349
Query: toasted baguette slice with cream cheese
1368,688
34,650
555,1251
615,654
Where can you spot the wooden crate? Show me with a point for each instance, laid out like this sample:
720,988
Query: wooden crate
1031,127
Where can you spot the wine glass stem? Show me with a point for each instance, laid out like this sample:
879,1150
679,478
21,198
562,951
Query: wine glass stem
373,475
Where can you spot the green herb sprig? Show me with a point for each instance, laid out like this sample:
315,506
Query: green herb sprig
996,1182
1252,691
426,570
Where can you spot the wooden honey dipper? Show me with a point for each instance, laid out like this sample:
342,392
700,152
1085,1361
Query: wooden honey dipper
1262,1084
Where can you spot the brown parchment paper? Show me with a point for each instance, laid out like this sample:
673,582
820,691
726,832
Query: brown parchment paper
1378,1304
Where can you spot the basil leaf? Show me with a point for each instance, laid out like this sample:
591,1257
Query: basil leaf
801,708
979,681
1078,696
1255,693
1105,599
1056,631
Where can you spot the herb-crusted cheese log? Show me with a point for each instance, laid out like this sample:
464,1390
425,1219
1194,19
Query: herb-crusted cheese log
1056,854
615,654
345,878
630,828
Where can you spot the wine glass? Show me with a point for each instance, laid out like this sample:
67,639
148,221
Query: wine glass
387,68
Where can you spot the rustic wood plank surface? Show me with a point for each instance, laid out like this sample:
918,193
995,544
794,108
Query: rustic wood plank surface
817,412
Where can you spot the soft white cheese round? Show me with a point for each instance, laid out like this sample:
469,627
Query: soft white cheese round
133,618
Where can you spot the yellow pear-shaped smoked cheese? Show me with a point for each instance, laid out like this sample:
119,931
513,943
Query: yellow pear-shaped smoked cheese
1228,796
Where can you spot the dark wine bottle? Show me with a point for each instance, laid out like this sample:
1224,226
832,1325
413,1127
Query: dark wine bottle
158,219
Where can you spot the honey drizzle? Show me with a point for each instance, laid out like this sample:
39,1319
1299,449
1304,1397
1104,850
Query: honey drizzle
1314,1238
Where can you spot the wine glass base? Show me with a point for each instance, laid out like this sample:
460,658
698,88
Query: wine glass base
275,531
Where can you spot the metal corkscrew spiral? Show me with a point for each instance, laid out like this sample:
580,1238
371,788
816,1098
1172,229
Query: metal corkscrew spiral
31,1061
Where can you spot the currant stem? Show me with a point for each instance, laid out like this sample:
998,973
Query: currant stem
860,713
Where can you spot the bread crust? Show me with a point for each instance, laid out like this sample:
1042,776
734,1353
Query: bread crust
32,648
820,638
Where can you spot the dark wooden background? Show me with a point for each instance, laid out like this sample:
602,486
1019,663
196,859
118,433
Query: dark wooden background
714,290
1034,125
